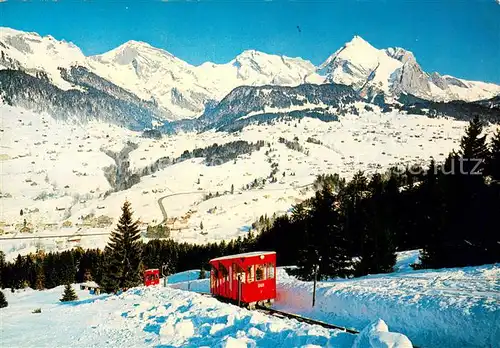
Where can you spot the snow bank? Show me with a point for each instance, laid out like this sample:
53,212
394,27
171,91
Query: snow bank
434,308
184,276
150,316
199,285
377,335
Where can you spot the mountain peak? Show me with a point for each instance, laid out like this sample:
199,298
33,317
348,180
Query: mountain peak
130,50
250,54
354,50
135,44
357,41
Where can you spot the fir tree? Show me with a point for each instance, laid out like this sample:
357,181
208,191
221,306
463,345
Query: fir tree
2,266
431,208
123,260
232,188
3,301
378,253
473,147
493,161
202,274
40,277
69,294
326,243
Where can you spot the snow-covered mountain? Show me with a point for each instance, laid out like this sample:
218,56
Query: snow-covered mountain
394,71
38,56
177,90
183,89
249,104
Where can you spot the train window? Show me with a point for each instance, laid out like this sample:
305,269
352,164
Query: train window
270,270
260,273
238,272
223,271
215,272
250,274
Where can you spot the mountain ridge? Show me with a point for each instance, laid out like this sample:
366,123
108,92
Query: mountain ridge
156,84
183,89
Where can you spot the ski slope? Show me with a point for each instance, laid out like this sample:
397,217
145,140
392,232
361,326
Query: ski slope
444,308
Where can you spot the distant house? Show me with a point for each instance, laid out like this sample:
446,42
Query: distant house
92,286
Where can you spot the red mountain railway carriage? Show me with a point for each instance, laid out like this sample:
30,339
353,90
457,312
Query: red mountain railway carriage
246,279
151,277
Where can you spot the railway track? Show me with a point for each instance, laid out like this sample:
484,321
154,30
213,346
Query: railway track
282,314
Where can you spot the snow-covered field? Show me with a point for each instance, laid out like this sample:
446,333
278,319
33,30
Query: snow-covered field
54,173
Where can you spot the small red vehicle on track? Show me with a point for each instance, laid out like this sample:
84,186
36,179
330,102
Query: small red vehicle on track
151,277
246,279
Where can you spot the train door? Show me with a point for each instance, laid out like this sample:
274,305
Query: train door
213,280
230,282
224,280
238,281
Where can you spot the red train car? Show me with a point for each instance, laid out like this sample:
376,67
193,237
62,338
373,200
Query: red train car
151,277
246,279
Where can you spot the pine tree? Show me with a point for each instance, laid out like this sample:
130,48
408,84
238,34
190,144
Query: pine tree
378,252
123,255
326,243
473,147
2,266
3,301
232,188
350,197
202,274
201,225
431,209
69,294
493,161
40,276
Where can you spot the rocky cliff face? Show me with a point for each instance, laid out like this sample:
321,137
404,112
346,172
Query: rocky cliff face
409,78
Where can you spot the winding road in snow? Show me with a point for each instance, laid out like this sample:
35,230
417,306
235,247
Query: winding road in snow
164,212
162,208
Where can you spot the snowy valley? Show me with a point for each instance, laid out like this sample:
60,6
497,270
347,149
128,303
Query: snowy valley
58,174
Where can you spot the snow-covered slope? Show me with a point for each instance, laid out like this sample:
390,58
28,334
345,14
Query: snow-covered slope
154,74
156,316
395,70
38,55
444,308
57,173
184,89
181,90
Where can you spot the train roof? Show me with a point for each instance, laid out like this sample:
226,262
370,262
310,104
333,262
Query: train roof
249,254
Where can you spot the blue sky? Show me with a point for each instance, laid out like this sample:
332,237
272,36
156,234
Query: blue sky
460,38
